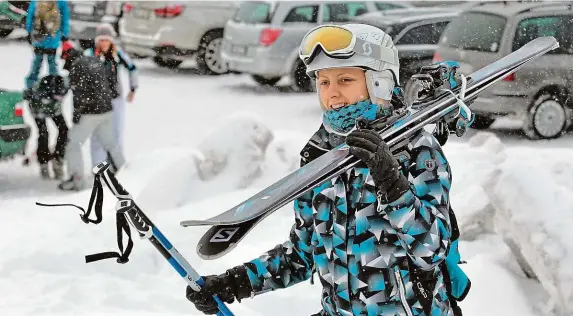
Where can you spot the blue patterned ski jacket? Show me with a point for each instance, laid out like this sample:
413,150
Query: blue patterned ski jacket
361,249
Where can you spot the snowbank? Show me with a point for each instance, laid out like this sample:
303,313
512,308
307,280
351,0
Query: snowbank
235,149
145,176
231,156
534,213
472,167
526,196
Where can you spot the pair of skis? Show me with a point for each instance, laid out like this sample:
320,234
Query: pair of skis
230,227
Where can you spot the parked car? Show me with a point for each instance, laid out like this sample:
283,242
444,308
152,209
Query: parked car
263,37
85,16
171,32
13,131
12,16
538,93
415,36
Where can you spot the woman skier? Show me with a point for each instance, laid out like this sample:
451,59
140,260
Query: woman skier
107,50
377,235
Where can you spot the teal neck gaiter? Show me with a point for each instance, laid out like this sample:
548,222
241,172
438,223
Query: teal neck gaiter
343,120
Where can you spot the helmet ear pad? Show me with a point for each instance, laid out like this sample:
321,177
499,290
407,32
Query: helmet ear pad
380,85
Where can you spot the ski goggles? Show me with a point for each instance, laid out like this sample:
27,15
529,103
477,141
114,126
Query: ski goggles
339,42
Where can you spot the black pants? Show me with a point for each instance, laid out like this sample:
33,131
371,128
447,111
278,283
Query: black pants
43,151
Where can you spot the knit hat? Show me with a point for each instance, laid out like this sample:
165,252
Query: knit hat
105,32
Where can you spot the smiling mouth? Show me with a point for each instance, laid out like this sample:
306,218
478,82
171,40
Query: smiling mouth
338,105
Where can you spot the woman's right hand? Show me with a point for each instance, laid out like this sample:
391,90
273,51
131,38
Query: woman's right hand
227,287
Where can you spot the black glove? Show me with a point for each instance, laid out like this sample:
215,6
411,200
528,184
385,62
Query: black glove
369,147
233,284
76,117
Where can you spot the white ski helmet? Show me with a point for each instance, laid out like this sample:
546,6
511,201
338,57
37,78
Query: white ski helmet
354,45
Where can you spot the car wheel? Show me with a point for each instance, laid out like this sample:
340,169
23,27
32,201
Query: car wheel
167,63
300,80
209,60
5,32
482,122
547,117
266,81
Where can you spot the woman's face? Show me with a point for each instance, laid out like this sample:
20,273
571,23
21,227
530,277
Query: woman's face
340,87
104,45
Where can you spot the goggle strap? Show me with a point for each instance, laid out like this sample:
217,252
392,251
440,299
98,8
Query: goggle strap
376,51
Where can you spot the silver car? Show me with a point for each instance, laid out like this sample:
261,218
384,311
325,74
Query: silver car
173,31
539,94
262,39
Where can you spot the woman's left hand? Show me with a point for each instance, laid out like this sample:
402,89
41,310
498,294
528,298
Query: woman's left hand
368,146
130,96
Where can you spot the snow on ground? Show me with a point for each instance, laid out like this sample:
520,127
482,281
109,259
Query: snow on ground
183,165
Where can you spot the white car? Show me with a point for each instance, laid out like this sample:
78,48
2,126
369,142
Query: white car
173,31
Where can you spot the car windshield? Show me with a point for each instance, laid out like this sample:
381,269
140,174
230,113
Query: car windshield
475,31
254,12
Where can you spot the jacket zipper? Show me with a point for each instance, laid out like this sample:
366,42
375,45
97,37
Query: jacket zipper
346,180
402,292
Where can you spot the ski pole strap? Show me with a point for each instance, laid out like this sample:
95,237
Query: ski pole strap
123,255
96,200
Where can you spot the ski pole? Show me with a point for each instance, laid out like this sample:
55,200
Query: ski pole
146,229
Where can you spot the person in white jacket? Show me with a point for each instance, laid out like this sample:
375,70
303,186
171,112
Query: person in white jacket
107,50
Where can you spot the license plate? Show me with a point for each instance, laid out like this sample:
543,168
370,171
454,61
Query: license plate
84,9
239,50
141,13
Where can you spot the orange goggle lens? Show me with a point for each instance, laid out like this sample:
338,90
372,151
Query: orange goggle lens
332,39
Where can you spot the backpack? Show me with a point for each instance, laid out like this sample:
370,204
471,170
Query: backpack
47,19
456,281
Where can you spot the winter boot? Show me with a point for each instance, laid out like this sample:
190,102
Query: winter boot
58,167
45,171
74,183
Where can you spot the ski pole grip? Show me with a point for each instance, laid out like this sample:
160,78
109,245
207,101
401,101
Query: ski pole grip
102,170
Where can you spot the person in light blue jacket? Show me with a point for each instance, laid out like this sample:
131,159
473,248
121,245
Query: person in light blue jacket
47,24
